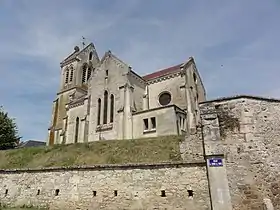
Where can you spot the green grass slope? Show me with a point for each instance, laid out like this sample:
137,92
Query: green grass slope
148,150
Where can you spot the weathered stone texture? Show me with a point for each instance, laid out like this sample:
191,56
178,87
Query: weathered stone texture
137,188
250,139
192,147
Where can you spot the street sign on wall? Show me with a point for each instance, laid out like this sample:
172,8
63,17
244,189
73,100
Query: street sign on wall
215,162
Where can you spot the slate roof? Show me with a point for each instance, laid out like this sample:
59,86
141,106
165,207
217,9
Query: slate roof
31,143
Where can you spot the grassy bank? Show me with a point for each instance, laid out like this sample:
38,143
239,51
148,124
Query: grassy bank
149,150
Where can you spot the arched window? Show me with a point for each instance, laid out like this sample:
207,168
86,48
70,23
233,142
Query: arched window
89,73
111,108
105,107
66,76
194,78
71,74
88,105
77,129
84,74
90,56
98,111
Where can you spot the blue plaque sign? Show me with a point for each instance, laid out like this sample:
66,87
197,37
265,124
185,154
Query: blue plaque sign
215,162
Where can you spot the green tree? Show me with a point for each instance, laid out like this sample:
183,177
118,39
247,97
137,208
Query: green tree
8,131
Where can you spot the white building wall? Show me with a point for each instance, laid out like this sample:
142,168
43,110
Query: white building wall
73,113
114,84
165,123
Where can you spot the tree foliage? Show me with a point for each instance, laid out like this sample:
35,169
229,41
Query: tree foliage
8,131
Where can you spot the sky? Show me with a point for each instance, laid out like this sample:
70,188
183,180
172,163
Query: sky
235,44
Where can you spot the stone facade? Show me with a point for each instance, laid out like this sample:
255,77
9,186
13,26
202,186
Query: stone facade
161,186
103,99
248,135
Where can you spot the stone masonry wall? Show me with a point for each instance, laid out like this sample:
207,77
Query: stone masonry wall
192,147
250,140
161,186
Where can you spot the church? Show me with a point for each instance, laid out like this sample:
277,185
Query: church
105,99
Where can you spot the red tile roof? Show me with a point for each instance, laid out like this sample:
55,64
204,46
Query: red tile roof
162,72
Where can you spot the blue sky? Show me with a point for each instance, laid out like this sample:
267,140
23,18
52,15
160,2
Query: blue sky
236,45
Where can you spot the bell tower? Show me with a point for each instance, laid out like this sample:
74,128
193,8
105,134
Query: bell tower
76,70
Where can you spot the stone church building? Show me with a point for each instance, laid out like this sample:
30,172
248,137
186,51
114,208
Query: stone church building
103,99
228,159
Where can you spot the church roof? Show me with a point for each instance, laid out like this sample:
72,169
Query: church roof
71,56
167,71
162,72
75,54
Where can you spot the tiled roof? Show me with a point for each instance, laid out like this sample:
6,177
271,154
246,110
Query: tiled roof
162,72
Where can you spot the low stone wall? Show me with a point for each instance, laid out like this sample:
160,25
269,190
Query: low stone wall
133,186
